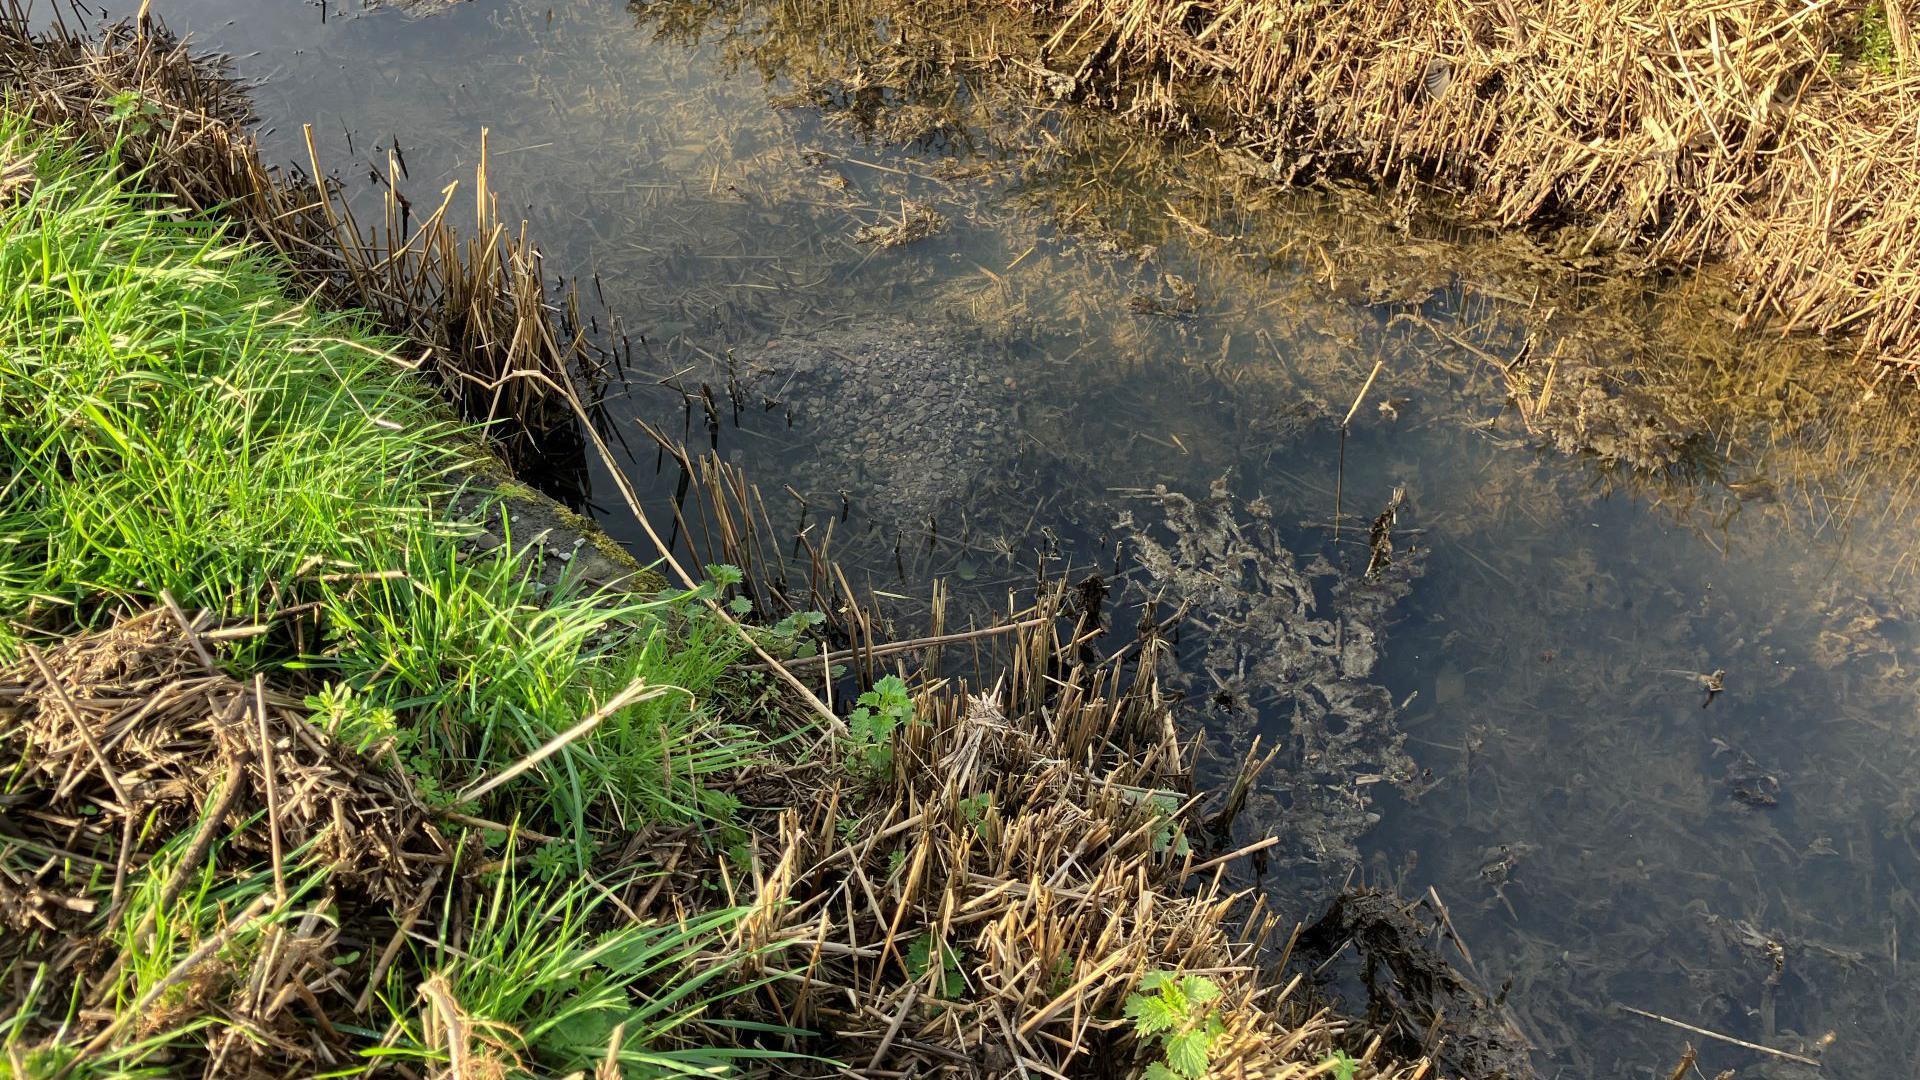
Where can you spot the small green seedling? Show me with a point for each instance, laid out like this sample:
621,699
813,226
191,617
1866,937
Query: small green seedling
353,719
1343,1067
953,985
974,809
137,112
1178,1011
1167,833
879,712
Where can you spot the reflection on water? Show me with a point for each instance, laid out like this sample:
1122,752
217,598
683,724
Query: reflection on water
1081,314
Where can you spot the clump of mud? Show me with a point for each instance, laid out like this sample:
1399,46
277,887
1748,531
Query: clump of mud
1290,640
914,414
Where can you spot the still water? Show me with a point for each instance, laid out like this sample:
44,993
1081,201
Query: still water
971,336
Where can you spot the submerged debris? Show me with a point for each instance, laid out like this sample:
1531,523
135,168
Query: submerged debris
915,414
916,221
1271,641
1413,994
1747,781
1578,406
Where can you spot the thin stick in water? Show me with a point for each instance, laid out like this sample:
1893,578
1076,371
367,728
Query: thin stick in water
1723,1038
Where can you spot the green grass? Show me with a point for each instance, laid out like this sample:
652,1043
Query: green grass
172,421
546,987
489,668
169,420
1871,44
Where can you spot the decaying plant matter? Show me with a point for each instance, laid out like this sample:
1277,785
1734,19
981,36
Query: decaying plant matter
1270,638
134,758
988,910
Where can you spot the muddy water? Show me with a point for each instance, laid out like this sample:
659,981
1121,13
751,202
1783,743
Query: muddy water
973,338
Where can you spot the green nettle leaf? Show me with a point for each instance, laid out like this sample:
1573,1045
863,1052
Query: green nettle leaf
1151,1015
919,955
1199,990
870,727
591,1027
1187,1053
1176,1008
1175,997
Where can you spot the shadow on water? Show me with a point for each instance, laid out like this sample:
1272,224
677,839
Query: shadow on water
957,335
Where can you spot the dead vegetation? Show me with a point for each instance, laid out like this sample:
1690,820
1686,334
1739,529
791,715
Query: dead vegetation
1771,139
990,909
986,908
468,295
136,760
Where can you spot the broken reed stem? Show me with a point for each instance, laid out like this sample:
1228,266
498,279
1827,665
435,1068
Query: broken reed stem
1340,471
67,706
1362,395
273,789
632,694
1704,1033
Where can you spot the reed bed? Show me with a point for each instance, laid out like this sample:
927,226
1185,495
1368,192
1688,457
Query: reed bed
1774,140
469,292
1000,898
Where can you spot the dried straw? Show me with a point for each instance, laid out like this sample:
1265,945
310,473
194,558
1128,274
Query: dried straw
1733,132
